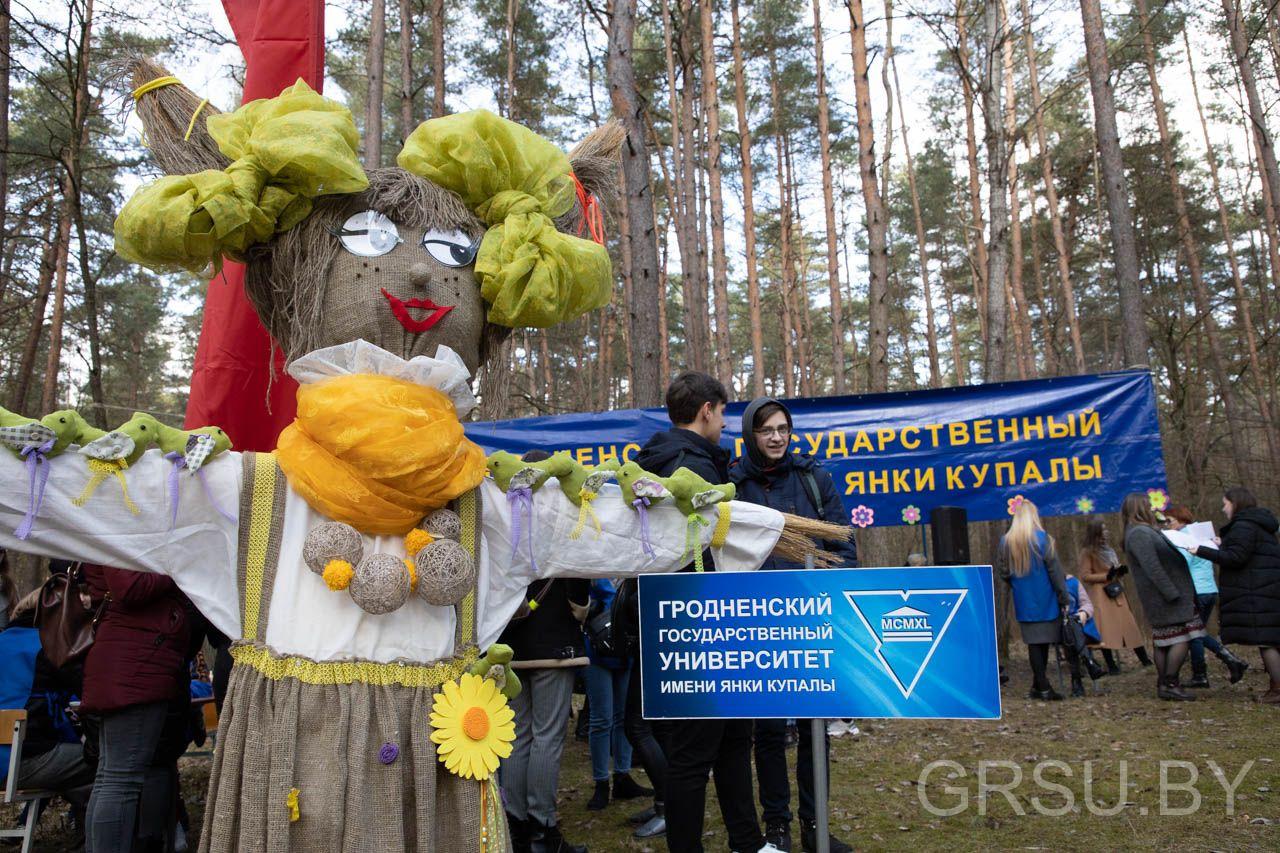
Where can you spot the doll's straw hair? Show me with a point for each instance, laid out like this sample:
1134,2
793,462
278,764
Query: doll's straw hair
174,117
800,537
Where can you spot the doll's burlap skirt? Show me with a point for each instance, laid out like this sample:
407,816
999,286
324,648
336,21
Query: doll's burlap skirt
325,740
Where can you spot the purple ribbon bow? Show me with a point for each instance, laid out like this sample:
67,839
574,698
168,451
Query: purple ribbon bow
36,459
642,507
521,500
180,462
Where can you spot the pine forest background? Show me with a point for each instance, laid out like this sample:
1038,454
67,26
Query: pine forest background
819,198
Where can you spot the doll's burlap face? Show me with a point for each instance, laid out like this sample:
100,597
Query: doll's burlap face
405,301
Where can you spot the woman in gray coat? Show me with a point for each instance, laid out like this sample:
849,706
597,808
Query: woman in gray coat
1167,592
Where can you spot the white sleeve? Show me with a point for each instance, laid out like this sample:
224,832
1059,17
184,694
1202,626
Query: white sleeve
197,549
548,548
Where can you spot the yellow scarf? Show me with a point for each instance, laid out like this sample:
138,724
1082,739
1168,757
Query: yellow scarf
376,452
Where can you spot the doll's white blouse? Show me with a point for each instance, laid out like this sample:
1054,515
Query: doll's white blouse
306,618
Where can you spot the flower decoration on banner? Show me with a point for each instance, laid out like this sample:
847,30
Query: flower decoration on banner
1159,499
1084,505
1014,503
862,516
911,514
472,726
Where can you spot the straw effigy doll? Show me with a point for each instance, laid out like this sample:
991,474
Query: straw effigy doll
367,562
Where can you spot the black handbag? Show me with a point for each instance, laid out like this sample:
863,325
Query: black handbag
599,630
1113,589
1073,636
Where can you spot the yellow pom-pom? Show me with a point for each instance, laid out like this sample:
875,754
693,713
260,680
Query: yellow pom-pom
417,539
337,574
413,575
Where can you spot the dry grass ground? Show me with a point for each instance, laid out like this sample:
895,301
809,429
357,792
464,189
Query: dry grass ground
877,799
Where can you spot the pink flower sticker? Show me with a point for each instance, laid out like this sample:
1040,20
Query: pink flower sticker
911,514
1014,503
862,516
1084,505
1159,499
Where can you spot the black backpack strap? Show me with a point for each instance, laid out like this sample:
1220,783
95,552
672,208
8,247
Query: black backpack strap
811,488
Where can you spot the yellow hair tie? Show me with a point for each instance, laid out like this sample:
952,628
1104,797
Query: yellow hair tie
721,533
152,85
585,509
102,469
192,125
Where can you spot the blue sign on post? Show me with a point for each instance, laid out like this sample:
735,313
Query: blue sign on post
838,643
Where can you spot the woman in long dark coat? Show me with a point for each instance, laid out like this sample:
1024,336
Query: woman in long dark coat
1249,586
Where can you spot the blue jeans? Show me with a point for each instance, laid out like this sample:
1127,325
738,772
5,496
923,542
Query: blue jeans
127,745
607,693
1204,607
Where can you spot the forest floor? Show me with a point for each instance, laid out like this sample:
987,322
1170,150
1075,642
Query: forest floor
878,802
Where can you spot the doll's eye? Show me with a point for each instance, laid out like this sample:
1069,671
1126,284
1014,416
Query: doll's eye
368,234
451,248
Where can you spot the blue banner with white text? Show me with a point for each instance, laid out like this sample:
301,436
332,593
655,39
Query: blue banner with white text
839,643
1073,445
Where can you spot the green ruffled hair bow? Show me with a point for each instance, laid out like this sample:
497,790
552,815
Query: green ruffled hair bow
286,151
289,150
530,273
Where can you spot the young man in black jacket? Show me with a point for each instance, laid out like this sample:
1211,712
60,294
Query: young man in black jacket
698,748
771,474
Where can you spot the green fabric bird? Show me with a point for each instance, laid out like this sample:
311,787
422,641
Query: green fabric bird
511,472
639,483
496,664
692,493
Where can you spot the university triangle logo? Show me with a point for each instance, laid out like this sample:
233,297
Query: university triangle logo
907,626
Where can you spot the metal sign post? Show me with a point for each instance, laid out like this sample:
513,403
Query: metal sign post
821,803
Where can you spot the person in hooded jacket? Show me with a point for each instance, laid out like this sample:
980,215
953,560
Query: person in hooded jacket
1249,585
699,748
768,473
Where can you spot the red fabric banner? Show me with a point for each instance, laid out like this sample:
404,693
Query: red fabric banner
281,40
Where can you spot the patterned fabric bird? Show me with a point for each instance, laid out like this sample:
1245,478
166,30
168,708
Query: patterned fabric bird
511,472
496,665
692,493
639,483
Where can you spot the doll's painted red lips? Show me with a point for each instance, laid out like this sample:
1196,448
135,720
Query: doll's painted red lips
400,308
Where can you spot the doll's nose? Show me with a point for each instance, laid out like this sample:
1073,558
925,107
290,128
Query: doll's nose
420,274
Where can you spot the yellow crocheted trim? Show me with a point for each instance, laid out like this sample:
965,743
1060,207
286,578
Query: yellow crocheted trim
721,533
102,469
152,85
276,668
265,474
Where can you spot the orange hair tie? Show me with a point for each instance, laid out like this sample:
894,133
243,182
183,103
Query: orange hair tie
592,216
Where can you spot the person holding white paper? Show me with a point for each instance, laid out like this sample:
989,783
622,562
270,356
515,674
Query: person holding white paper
1180,520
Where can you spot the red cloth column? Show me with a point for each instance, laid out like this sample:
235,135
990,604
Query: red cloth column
281,40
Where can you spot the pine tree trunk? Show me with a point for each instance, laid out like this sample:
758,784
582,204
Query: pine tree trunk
5,65
829,206
49,394
885,69
1262,137
1047,335
648,330
877,237
39,304
1191,254
799,277
373,99
719,259
509,89
994,354
784,217
977,227
1265,388
931,332
438,85
1137,344
958,364
1020,316
1051,194
406,69
748,207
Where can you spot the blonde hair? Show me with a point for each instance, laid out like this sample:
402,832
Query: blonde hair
1020,541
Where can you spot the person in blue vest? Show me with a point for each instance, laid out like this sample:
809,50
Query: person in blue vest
771,474
1028,561
1202,577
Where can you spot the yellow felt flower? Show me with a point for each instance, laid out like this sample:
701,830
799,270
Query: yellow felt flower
472,726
